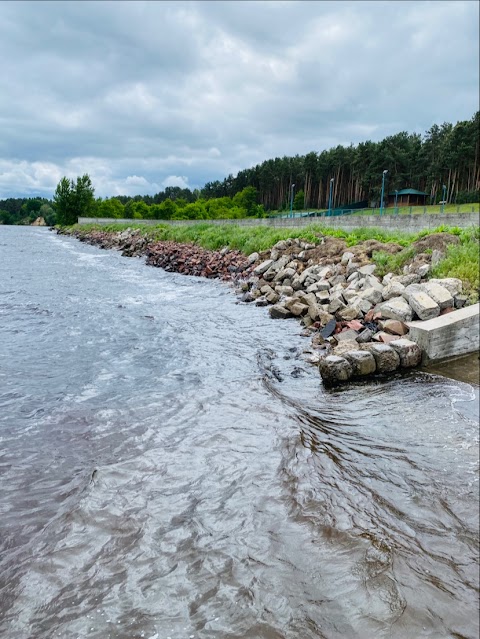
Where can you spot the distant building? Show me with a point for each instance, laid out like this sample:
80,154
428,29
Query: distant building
407,197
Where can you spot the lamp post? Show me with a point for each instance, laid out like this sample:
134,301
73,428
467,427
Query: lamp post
396,199
291,200
383,189
444,197
330,197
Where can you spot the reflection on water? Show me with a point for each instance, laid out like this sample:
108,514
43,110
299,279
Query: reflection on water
464,369
171,467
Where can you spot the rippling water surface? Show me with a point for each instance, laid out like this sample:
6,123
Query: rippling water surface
170,467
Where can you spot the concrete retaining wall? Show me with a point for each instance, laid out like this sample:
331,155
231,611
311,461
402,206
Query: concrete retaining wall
449,335
406,223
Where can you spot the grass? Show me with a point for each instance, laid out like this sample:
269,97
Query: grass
402,210
461,260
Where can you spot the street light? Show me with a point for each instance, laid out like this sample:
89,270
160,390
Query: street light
330,197
444,197
396,198
291,201
383,188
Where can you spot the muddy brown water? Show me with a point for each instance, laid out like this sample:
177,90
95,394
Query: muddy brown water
171,467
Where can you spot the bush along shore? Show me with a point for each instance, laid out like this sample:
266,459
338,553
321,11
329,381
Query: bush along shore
353,308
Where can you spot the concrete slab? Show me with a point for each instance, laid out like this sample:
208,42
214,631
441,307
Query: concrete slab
449,335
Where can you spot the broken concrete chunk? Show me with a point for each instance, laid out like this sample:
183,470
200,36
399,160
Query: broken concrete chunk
396,308
409,353
365,336
263,267
386,358
452,284
421,303
335,369
392,289
347,335
368,269
438,293
395,327
363,363
279,312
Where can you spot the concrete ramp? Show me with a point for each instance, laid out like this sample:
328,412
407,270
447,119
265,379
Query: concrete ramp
449,335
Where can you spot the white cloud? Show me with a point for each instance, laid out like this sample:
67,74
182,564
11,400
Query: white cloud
181,93
176,180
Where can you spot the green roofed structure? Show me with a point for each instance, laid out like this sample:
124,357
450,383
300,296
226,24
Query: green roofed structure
407,197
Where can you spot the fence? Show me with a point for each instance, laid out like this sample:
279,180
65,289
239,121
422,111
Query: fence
399,210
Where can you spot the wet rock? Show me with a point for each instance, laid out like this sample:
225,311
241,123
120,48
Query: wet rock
335,369
266,289
279,312
284,290
396,308
296,308
345,347
363,363
272,297
261,301
409,353
386,358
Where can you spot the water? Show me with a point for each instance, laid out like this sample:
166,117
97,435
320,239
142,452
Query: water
170,467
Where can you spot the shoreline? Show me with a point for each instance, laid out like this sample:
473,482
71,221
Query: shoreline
358,323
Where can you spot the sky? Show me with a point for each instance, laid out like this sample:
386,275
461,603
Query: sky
144,95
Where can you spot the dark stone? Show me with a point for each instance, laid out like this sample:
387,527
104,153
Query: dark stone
328,329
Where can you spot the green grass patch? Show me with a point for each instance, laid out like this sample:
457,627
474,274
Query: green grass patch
462,261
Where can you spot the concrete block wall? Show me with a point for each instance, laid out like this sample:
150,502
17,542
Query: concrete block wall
449,335
406,223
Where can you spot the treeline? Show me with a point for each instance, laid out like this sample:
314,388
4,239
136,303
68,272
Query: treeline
73,199
446,155
26,210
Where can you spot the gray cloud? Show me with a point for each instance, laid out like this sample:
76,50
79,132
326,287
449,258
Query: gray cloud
143,94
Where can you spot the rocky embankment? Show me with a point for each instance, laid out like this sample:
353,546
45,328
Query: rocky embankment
188,259
357,320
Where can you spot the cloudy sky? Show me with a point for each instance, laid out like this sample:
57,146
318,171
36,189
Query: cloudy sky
142,95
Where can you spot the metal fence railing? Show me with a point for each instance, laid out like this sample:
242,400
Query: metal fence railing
399,210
